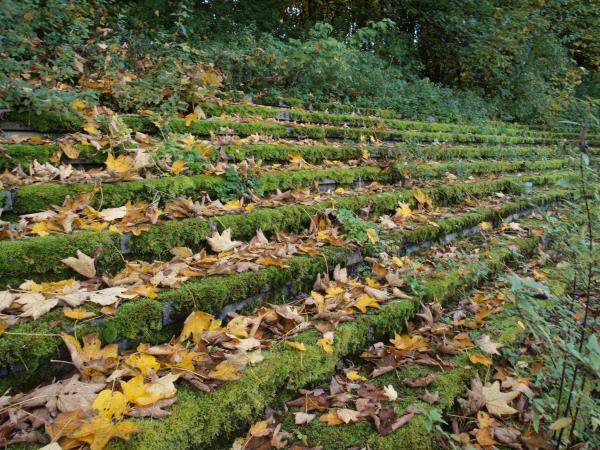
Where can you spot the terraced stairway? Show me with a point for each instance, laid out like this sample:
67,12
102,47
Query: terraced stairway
133,234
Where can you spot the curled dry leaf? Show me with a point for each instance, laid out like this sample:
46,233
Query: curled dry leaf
83,264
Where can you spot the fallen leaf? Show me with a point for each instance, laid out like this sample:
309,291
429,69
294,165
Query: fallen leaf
480,359
98,431
222,242
302,418
110,404
485,343
297,345
353,375
496,401
83,264
561,423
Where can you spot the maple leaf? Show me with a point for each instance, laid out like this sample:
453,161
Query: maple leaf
190,119
366,301
480,359
222,242
109,404
486,226
487,345
406,342
225,371
91,358
353,375
197,323
119,165
561,423
302,418
238,326
178,166
77,314
326,344
403,210
347,415
35,305
112,214
97,431
146,364
372,235
44,228
331,419
83,264
297,345
423,199
390,393
496,402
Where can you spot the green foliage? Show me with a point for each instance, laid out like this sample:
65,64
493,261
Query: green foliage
236,185
195,162
355,228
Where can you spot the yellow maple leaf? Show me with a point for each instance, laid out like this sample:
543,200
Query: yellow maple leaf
406,342
225,371
99,430
259,428
423,199
135,391
78,104
190,119
366,301
77,313
119,165
70,150
197,323
486,225
331,419
297,345
233,204
146,364
44,228
238,326
326,344
404,210
269,261
91,127
480,359
110,404
373,235
353,375
178,166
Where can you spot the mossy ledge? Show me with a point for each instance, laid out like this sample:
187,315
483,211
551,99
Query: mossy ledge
38,197
24,154
25,357
39,257
56,123
503,328
148,320
199,420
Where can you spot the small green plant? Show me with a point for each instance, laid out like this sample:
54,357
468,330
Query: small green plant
357,229
194,160
237,185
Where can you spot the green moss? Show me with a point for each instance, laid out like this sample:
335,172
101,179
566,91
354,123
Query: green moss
41,256
38,197
198,419
141,320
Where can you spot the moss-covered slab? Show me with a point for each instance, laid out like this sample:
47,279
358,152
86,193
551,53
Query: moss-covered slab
39,258
198,420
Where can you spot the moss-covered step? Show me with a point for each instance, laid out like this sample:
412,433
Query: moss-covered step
199,420
23,154
39,197
414,435
52,122
25,355
329,118
152,320
39,257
